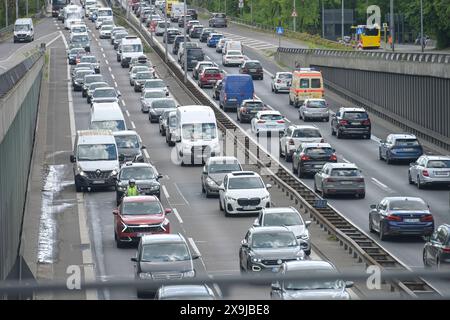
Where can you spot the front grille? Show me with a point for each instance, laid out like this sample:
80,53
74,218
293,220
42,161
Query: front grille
137,229
98,174
275,262
249,202
167,276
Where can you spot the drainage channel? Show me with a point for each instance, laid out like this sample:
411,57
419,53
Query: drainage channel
354,240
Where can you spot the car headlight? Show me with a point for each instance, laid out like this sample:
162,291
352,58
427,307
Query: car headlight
189,274
145,275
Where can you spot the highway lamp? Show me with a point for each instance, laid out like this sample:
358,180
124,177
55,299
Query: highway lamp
422,40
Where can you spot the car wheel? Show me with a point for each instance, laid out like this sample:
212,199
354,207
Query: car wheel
409,178
383,236
424,259
419,184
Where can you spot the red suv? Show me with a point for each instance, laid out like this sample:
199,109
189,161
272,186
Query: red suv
138,216
209,76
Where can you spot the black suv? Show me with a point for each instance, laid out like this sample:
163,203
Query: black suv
351,121
176,43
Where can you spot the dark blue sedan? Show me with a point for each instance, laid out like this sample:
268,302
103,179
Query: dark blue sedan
213,39
401,216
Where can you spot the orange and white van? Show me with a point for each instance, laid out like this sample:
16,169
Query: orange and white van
307,83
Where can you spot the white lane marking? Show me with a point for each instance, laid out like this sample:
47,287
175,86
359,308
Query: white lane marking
109,68
104,56
194,246
133,125
179,191
146,154
106,61
345,160
89,272
175,211
166,193
127,112
113,77
123,102
115,84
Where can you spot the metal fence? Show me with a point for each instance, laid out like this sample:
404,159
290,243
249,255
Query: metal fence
15,156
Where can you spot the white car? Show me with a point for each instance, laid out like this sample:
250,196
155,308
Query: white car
281,82
105,31
243,192
233,57
268,121
295,135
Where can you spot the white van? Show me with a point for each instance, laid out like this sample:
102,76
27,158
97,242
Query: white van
107,116
72,13
196,134
130,47
23,30
232,45
95,159
103,14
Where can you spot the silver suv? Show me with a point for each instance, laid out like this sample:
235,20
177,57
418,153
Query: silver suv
163,257
430,170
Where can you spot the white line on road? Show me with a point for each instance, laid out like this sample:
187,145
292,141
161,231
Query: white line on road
194,246
127,112
175,211
166,193
146,154
123,102
179,191
133,125
113,77
106,61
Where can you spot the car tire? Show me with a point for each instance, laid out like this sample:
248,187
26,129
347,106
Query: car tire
409,178
383,235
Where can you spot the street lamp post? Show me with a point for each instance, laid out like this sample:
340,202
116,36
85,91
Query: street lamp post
422,40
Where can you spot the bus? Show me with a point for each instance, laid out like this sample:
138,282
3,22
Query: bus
366,37
168,9
57,5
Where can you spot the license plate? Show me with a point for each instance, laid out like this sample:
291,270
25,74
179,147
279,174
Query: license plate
411,220
98,181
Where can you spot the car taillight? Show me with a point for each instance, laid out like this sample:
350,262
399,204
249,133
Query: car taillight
333,157
427,218
261,121
394,218
291,142
366,122
280,121
304,157
343,122
425,173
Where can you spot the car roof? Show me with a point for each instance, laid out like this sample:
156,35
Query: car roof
270,229
352,109
402,136
140,199
316,145
341,165
309,265
162,238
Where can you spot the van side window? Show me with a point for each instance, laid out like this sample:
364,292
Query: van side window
304,83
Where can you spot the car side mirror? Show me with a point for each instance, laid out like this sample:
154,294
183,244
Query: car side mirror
121,157
349,284
134,259
276,286
307,223
73,159
373,206
268,186
115,212
167,211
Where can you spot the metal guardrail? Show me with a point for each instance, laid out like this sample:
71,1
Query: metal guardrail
388,56
13,75
354,240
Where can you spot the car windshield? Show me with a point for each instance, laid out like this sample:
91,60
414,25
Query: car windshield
271,117
22,27
273,240
113,125
316,104
137,173
196,131
221,167
407,142
345,172
127,142
165,252
164,104
355,115
245,183
319,151
154,94
105,93
97,152
314,284
282,219
144,75
306,133
438,164
154,84
285,76
132,48
407,205
141,208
